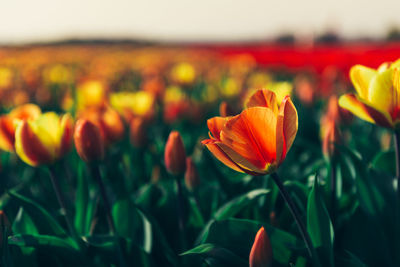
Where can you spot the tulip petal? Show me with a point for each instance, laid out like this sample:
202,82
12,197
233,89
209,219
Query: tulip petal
67,129
290,123
29,147
263,98
47,129
24,112
364,111
381,92
216,124
361,77
220,154
6,134
252,134
244,164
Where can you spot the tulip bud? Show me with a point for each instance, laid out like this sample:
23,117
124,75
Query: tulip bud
137,132
88,141
4,225
155,174
192,179
261,252
331,136
225,109
174,155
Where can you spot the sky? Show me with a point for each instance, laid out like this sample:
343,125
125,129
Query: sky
188,20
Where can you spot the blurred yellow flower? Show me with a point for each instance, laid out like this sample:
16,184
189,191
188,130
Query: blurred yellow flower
174,94
183,73
91,93
58,74
132,104
230,87
6,76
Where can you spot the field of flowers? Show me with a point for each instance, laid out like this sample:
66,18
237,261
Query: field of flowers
165,156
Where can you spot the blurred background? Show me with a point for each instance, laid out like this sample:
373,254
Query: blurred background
197,21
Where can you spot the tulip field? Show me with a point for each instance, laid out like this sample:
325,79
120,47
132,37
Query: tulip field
122,155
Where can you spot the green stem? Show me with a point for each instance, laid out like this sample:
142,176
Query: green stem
61,202
397,206
296,216
333,190
96,175
95,170
181,213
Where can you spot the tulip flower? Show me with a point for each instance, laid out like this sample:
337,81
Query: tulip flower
8,124
378,94
137,132
108,121
175,155
257,140
88,141
45,139
261,252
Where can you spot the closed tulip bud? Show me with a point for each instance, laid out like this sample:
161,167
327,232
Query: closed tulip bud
175,155
88,141
192,179
137,132
4,225
225,109
261,252
330,137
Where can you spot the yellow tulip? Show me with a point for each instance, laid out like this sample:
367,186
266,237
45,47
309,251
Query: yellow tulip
378,94
133,104
44,139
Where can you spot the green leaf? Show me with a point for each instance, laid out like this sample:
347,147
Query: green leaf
222,255
385,161
107,247
23,224
319,225
45,223
371,199
49,245
232,208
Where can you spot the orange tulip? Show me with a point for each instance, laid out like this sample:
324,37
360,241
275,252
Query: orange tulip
88,141
8,124
330,132
45,139
257,140
261,252
175,155
330,136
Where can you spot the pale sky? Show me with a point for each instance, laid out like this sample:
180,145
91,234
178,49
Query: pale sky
188,20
